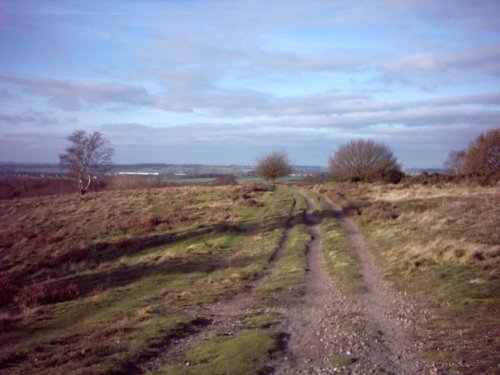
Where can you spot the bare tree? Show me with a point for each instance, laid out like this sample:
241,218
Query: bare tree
272,166
365,160
455,161
86,157
482,160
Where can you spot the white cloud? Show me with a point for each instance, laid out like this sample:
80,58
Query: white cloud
72,95
451,67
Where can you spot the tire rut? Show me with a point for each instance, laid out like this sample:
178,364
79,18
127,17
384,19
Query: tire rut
306,317
330,332
388,317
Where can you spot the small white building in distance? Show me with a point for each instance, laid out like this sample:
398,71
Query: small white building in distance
139,173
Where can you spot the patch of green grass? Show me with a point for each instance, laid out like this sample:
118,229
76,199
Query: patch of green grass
208,196
341,262
257,319
243,354
342,360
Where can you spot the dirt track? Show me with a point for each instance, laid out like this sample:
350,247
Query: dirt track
328,332
356,334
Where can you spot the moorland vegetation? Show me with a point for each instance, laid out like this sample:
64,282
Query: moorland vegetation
103,283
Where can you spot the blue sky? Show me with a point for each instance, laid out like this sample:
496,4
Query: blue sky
223,82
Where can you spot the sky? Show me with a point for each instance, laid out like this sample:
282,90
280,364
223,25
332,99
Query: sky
225,82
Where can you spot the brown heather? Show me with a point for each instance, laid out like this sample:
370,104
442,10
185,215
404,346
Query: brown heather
56,235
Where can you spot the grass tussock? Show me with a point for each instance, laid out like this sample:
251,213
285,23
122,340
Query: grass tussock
440,243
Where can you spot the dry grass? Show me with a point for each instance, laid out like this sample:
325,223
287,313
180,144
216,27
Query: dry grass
46,232
24,187
97,283
441,244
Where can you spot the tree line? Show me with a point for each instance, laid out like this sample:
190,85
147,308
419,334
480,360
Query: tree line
89,155
369,161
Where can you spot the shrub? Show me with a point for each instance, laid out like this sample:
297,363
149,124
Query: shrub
482,160
273,166
365,160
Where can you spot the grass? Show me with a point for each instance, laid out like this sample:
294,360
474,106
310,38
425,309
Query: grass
258,319
341,263
244,353
252,345
439,244
97,284
288,276
138,279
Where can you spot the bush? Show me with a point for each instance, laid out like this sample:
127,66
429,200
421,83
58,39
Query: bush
482,160
389,175
365,160
273,166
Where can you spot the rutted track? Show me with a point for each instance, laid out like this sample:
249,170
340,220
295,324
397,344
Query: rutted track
307,319
328,332
388,317
320,325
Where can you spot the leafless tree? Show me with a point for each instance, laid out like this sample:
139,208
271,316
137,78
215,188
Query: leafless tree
86,157
365,160
482,160
272,166
455,161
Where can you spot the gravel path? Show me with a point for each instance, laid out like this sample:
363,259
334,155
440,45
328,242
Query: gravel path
350,334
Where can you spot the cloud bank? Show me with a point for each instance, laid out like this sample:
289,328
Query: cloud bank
223,82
